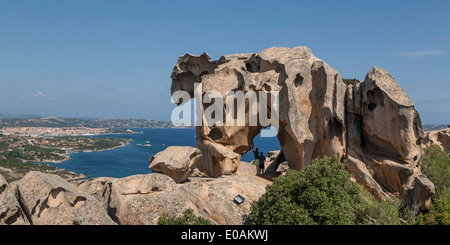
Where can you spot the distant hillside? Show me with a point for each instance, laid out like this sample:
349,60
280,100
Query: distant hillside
433,127
78,122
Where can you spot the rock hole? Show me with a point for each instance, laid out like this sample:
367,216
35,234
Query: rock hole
298,80
13,219
215,134
372,106
248,67
80,200
155,188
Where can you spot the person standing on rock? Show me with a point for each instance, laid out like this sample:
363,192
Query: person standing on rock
256,160
262,159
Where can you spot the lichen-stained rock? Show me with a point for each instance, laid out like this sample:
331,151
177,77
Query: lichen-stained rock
178,162
311,98
50,200
438,137
10,211
384,133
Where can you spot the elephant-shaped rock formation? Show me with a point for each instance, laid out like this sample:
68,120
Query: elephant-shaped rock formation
373,125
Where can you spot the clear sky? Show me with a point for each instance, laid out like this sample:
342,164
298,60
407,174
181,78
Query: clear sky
114,58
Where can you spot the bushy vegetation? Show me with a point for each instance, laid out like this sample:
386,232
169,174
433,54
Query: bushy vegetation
436,166
187,218
321,194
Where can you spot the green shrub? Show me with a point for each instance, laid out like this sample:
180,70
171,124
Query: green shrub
374,212
320,194
436,166
187,218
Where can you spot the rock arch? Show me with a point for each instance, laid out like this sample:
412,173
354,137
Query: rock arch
311,104
318,115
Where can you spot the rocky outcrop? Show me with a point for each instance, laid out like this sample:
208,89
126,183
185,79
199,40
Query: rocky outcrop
50,200
178,162
215,198
134,200
143,199
384,135
311,112
10,211
438,137
372,124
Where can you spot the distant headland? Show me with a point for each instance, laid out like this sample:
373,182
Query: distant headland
59,122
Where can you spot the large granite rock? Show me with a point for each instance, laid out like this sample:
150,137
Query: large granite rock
373,124
50,200
384,136
178,162
311,97
10,211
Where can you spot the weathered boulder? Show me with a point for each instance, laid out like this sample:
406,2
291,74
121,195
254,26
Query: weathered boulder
48,199
311,98
384,135
438,137
178,162
10,211
142,199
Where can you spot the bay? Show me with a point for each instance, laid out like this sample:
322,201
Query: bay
134,157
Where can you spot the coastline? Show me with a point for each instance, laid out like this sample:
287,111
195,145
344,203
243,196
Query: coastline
67,155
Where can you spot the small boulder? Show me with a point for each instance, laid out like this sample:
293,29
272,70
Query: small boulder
178,162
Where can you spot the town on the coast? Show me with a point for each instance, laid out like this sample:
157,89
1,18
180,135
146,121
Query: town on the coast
26,148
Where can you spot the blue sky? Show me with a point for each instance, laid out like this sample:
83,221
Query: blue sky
114,58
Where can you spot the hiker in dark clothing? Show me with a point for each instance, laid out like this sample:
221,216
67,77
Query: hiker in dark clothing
261,158
256,152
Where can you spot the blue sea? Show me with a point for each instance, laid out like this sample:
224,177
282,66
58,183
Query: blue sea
134,157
